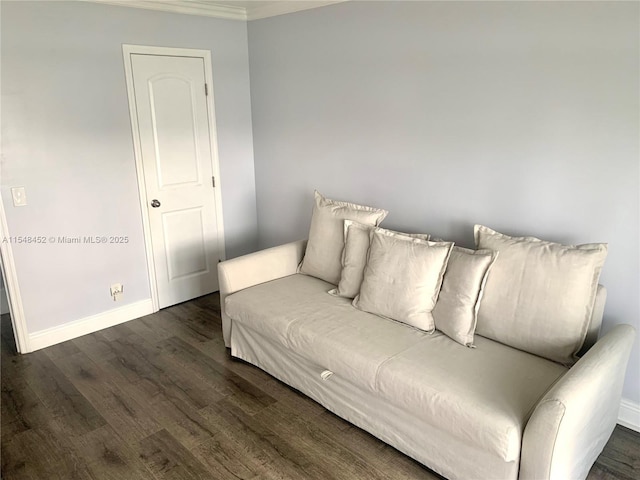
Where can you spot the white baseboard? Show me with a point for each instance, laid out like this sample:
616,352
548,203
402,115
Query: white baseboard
84,326
629,415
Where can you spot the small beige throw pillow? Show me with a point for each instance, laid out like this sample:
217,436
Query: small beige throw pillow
354,257
323,257
456,311
540,295
402,278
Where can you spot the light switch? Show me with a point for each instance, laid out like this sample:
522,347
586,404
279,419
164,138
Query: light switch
19,196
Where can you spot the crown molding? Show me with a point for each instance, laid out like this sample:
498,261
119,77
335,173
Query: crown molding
204,9
222,10
272,9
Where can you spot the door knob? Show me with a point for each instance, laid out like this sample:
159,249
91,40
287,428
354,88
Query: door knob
155,203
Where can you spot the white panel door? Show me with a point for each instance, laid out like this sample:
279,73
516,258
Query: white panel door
175,143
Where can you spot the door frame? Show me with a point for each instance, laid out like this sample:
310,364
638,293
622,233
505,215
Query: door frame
12,289
205,55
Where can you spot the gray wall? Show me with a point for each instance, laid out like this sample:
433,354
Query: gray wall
66,137
522,116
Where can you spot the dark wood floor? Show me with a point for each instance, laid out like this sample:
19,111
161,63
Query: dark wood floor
160,398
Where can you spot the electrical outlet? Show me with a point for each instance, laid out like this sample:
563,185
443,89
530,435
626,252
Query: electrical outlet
116,290
19,196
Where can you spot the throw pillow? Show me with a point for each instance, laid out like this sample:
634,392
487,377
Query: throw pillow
456,311
354,256
323,256
402,278
540,295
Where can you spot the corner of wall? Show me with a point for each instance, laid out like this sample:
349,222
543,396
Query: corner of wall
629,415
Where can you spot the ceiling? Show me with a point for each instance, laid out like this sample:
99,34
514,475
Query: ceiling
231,9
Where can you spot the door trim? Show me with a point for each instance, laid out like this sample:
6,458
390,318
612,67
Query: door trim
10,275
205,55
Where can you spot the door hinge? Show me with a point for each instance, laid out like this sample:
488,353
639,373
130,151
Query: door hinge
206,90
213,181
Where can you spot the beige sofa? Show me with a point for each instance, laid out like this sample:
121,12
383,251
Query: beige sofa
490,412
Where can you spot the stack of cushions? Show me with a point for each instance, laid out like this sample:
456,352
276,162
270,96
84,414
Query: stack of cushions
326,235
533,295
354,256
402,278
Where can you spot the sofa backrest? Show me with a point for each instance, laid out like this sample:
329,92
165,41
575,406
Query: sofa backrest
596,320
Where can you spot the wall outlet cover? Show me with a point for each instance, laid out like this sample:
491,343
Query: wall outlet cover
19,196
116,289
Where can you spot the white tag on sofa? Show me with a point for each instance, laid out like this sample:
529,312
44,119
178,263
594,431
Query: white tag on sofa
326,374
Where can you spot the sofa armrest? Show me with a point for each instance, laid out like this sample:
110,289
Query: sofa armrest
572,423
255,268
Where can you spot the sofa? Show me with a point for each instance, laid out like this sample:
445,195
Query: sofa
510,394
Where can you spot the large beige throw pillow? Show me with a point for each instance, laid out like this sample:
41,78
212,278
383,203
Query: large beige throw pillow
456,311
354,256
539,295
402,278
323,256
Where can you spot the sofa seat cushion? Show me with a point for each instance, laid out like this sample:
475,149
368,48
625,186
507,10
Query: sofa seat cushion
297,312
271,308
483,396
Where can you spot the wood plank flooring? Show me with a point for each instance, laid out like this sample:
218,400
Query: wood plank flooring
160,398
